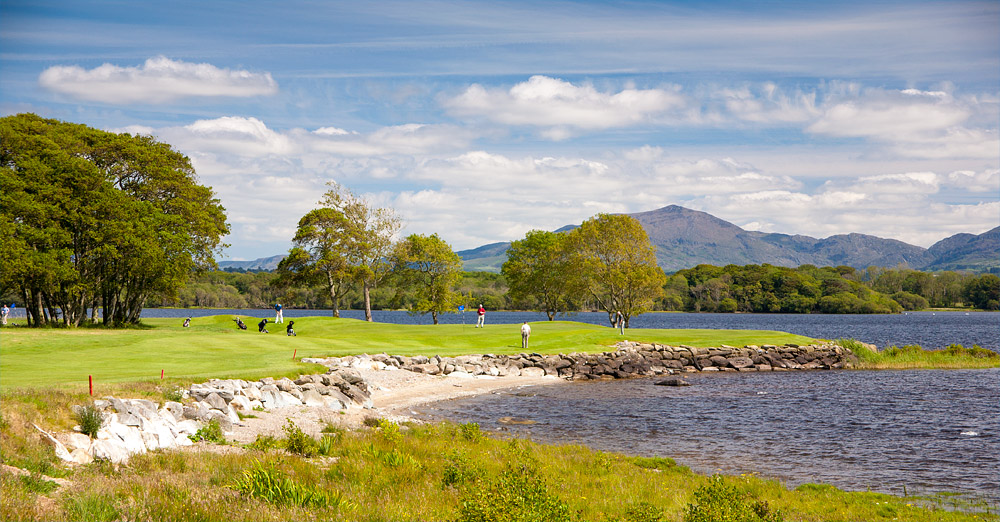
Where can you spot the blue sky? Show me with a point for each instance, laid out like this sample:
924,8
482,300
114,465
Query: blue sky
482,120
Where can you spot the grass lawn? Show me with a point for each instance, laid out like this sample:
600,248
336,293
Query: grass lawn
214,347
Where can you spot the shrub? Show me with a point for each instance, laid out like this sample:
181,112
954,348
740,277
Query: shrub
211,432
470,431
297,441
390,431
721,502
518,494
459,470
90,419
175,395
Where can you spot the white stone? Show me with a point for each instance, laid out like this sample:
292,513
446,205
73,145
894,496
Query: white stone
289,399
312,398
78,441
131,438
112,450
81,456
252,392
231,413
150,441
241,403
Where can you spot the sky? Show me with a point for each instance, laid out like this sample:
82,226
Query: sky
480,121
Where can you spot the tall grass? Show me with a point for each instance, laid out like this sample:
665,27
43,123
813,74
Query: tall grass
915,357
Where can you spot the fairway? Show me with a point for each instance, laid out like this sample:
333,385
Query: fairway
214,348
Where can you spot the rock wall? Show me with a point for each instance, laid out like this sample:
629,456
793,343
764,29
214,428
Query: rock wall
629,360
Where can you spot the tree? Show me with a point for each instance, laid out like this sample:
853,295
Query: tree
346,240
538,269
430,265
616,264
369,238
96,219
322,247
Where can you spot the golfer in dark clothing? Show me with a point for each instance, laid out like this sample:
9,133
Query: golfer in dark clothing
288,329
261,325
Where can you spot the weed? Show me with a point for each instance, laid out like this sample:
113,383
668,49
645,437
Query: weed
660,463
470,431
35,483
210,432
274,487
518,494
372,422
264,443
242,415
721,502
641,512
327,445
97,508
90,419
297,441
390,458
330,427
175,395
459,470
390,431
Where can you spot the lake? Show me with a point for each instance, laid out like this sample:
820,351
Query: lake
928,431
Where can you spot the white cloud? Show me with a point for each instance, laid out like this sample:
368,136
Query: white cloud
768,104
562,108
158,80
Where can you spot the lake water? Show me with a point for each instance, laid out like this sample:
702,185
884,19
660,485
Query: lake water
928,431
928,329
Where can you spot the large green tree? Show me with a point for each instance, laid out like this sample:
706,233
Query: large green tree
93,219
616,264
428,264
539,272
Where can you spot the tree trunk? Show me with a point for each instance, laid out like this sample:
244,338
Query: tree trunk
368,302
434,316
551,314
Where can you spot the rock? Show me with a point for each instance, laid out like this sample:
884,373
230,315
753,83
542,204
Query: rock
673,381
60,450
515,420
241,403
352,377
740,362
313,398
532,371
176,409
284,384
223,419
216,402
110,450
430,369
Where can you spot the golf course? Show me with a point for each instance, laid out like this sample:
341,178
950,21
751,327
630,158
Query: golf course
213,347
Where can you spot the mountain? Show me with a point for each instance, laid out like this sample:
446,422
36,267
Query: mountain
967,252
263,263
685,238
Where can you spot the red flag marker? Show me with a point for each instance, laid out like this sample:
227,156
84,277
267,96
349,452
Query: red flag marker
91,379
295,352
161,375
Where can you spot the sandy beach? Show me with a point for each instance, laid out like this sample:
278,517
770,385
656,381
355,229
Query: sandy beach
395,394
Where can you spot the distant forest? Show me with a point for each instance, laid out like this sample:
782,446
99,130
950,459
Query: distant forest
704,288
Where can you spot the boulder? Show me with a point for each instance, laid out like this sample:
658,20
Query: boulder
740,362
532,371
312,398
110,450
673,381
215,401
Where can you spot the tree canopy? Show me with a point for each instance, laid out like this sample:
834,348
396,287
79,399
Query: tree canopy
539,272
432,267
97,219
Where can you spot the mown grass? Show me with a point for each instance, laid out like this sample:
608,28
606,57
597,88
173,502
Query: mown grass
913,357
418,472
214,348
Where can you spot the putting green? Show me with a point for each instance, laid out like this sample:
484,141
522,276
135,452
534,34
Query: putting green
214,347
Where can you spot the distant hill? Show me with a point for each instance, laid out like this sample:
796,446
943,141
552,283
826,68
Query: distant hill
264,263
967,252
685,238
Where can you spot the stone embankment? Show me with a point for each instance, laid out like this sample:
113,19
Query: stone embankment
629,360
133,426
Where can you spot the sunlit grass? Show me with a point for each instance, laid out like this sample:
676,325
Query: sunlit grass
214,348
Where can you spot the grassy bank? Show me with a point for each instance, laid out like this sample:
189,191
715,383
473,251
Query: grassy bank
214,347
913,357
388,472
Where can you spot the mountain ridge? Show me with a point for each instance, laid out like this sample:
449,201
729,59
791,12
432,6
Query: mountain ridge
685,238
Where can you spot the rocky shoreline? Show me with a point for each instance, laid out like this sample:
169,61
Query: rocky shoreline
627,361
134,426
